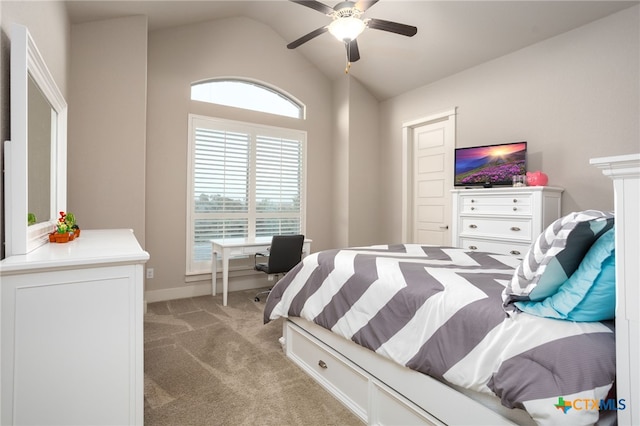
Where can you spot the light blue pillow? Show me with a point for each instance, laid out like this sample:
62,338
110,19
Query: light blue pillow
554,256
589,294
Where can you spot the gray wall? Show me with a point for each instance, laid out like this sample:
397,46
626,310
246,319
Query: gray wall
355,159
572,97
226,47
107,124
364,193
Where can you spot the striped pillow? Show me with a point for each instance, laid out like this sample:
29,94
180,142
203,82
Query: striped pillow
590,293
555,255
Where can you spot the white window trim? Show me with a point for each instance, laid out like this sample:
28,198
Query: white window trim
199,268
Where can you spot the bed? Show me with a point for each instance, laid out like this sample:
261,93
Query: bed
412,334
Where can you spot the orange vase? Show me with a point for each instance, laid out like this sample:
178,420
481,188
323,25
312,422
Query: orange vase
62,238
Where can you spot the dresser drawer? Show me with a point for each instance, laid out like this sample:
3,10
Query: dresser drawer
333,372
510,228
496,204
503,220
501,247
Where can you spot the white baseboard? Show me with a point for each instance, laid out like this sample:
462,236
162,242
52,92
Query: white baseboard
201,289
177,293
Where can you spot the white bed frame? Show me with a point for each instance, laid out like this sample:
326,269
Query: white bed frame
379,391
625,172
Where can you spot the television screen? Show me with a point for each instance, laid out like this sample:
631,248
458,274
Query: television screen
490,164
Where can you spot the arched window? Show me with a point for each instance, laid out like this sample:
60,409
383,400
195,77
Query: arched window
246,94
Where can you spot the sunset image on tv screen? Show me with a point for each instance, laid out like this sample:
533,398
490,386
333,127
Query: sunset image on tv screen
494,164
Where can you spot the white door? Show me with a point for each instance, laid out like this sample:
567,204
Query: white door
431,148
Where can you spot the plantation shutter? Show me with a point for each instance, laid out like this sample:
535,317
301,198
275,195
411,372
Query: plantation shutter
221,187
278,186
246,181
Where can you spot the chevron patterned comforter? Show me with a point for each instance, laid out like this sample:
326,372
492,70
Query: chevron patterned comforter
439,311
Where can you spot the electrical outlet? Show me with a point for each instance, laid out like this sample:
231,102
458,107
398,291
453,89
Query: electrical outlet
149,273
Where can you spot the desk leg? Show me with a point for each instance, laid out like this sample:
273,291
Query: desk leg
214,272
225,276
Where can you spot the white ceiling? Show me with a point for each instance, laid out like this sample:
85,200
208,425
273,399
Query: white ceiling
452,35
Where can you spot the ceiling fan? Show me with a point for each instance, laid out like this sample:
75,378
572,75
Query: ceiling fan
347,24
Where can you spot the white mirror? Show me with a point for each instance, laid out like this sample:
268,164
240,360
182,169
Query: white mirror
35,158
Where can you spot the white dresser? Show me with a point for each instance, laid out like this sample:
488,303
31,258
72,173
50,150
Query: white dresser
503,220
72,332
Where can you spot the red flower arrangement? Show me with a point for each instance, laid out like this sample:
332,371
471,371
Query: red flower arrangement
62,226
66,229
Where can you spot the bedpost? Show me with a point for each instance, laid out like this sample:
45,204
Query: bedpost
625,172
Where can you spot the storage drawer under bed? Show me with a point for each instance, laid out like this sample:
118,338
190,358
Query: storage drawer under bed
368,398
329,370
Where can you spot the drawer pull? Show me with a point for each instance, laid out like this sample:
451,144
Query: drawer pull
515,200
473,201
473,208
514,252
322,364
515,228
473,248
472,226
515,209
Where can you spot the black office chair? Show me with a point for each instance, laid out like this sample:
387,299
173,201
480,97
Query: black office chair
284,253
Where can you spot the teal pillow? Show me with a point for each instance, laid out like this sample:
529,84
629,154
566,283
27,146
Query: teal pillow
555,255
589,294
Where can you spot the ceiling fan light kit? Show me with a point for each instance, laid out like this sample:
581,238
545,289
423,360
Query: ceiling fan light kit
347,25
346,29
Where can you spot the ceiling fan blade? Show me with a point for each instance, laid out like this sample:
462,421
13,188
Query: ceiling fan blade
315,5
306,38
392,27
353,53
363,5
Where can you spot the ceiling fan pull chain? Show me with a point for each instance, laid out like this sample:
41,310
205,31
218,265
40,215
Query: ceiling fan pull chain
346,70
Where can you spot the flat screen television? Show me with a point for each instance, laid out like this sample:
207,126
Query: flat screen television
490,165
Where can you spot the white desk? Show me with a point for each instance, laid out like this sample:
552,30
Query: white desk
238,247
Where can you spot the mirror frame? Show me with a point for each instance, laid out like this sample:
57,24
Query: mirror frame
27,61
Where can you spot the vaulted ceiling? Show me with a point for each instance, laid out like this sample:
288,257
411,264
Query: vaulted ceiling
452,35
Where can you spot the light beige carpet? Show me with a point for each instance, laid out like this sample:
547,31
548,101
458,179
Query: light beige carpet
205,364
